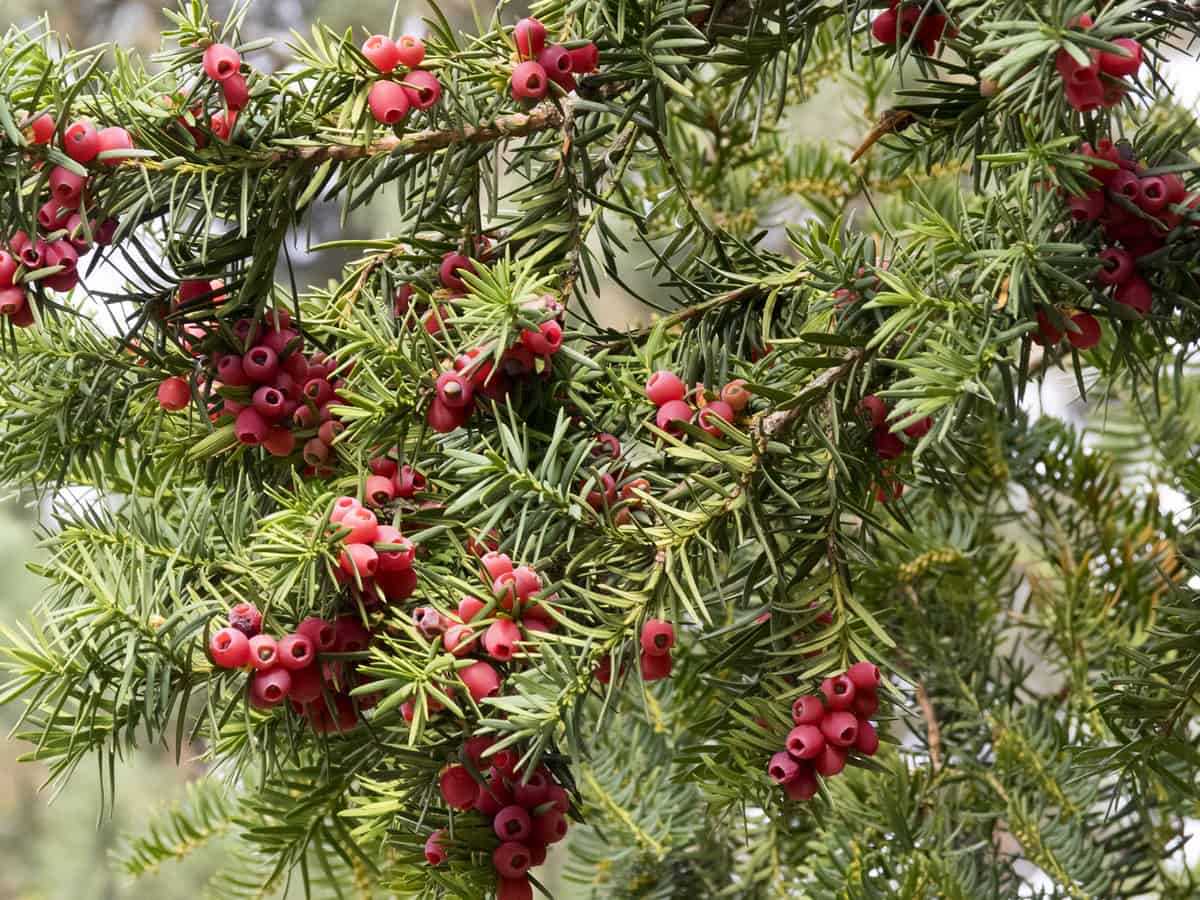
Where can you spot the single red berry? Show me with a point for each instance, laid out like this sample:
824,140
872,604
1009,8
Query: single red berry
174,393
268,688
307,685
363,525
237,95
511,859
512,824
221,61
1116,266
329,431
450,271
527,582
887,445
379,490
1121,65
663,387
1136,294
1089,207
805,741
409,482
81,141
481,680
1087,93
876,410
396,552
708,414
550,827
783,768
867,740
410,51
1153,196
435,853
381,52
454,390
264,652
865,676
804,786
269,403
458,788
251,428
423,87
838,691
604,494
529,81
385,466
320,633
470,607
296,651
389,102
530,37
352,636
8,269
515,888
13,301
546,340
496,564
1086,333
342,506
230,648
65,186
840,728
359,560
658,637
830,761
886,27
1046,333
671,415
808,710
585,59
655,668
444,419
866,704
919,428
735,394
494,795
556,61
41,129
501,639
246,618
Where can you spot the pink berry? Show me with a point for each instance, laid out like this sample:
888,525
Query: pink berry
237,93
470,607
269,688
830,761
65,186
424,90
496,564
458,788
529,81
321,633
804,786
363,525
1120,65
454,390
81,141
381,52
307,685
512,823
530,37
221,61
664,387
546,340
12,301
352,637
360,560
501,640
411,51
658,637
8,269
296,651
783,768
867,740
1136,294
707,416
396,552
481,680
655,668
527,582
230,648
41,129
385,466
251,428
341,506
264,652
671,415
838,691
174,394
435,853
1087,333
805,741
585,59
513,889
556,61
840,728
808,710
110,140
269,403
459,640
246,618
379,490
1089,207
550,827
409,482
511,859
449,271
866,704
389,102
735,395
865,676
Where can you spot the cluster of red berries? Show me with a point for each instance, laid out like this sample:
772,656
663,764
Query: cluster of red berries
66,230
390,101
527,814
827,731
888,445
540,65
262,381
289,668
473,372
904,20
1098,82
658,639
612,485
667,391
389,480
223,65
378,559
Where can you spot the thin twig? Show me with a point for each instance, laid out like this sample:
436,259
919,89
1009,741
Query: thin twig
931,726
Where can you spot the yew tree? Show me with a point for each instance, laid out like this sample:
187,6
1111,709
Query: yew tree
785,588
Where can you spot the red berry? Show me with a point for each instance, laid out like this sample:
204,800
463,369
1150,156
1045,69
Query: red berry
501,639
875,408
296,651
65,186
424,90
364,527
379,490
864,676
409,482
41,129
546,340
664,387
449,270
735,394
237,94
320,633
886,27
1153,198
251,428
410,51
808,710
919,428
389,102
831,761
469,608
527,582
671,415
381,52
230,648
269,688
459,640
1046,332
1089,207
515,888
435,853
481,680
783,768
838,691
585,59
81,141
1086,94
496,564
443,419
840,728
454,390
1136,294
494,795
315,452
887,445
458,788
530,37
655,668
329,431
556,61
306,685
246,618
8,269
803,786
866,704
352,636
342,506
512,824
174,393
359,560
264,652
529,81
396,552
511,859
269,403
550,827
867,739
805,741
658,637
13,301
221,61
1120,65
1087,333
385,466
707,416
